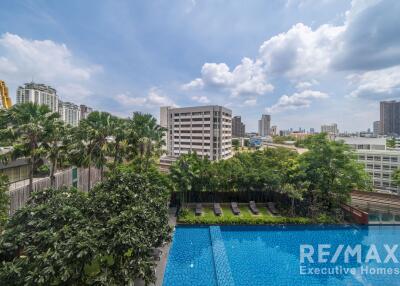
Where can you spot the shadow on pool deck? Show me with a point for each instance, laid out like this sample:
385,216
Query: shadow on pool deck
160,269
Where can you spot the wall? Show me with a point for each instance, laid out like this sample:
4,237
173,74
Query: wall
20,195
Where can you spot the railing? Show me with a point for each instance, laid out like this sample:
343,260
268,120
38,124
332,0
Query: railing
359,216
20,195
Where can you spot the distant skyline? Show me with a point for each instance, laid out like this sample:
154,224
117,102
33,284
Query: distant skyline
305,62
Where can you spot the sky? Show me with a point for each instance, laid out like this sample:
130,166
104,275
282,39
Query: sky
305,62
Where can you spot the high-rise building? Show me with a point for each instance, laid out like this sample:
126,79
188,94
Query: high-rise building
274,130
70,113
85,111
39,94
264,125
238,128
330,129
377,127
206,130
390,118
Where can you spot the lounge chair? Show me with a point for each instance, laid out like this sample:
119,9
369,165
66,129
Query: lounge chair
199,210
271,207
253,208
235,208
217,209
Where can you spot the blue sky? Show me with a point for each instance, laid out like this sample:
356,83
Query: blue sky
306,62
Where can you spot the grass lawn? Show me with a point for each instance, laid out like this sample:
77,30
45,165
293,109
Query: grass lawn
246,217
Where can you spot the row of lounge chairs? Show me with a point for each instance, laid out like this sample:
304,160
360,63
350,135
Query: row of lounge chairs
235,208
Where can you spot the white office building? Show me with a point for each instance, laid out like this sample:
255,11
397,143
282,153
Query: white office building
330,129
70,113
379,162
39,94
264,125
206,130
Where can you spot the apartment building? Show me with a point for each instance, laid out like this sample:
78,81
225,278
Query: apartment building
206,130
238,128
70,113
39,94
379,162
264,125
390,118
330,128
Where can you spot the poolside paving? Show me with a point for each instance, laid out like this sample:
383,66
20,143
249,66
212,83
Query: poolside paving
160,268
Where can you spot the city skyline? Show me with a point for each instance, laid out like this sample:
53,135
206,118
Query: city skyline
180,54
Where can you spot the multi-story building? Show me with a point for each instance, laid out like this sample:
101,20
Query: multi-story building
85,111
39,94
264,125
70,113
379,162
238,128
330,129
274,130
390,118
206,130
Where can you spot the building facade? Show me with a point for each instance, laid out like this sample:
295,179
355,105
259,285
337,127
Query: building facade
390,118
70,113
39,94
85,111
238,128
264,125
376,128
330,128
206,130
378,162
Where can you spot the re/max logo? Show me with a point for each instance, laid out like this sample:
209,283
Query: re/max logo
325,253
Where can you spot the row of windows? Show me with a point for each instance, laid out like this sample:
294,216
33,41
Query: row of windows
378,158
191,113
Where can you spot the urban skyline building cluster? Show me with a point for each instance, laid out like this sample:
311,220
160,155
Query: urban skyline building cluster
70,113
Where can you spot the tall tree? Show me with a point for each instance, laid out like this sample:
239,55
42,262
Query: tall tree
26,127
58,138
119,143
333,172
90,142
145,138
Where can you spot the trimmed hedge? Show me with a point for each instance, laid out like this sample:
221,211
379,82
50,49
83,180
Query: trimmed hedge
244,220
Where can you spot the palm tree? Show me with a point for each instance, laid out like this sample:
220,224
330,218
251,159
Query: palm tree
91,139
119,142
58,140
145,138
26,127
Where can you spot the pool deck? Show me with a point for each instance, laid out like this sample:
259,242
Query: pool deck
160,268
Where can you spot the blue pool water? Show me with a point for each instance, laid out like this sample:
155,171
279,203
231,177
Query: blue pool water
270,255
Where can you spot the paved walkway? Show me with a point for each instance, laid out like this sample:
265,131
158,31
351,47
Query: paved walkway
165,251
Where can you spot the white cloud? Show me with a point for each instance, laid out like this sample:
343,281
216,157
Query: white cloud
297,100
45,60
154,98
194,84
201,99
306,84
250,102
246,78
301,51
378,84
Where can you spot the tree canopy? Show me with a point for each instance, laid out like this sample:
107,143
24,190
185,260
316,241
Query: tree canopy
104,237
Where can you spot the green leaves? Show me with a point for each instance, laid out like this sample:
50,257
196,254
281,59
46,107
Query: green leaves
103,237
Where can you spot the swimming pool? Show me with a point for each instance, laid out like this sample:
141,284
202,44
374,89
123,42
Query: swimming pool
271,255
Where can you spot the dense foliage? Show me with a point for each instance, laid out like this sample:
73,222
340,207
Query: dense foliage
103,237
321,178
4,200
396,177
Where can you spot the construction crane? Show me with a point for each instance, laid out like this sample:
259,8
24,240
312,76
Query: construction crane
5,98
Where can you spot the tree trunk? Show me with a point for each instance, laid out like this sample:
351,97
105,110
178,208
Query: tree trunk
53,172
